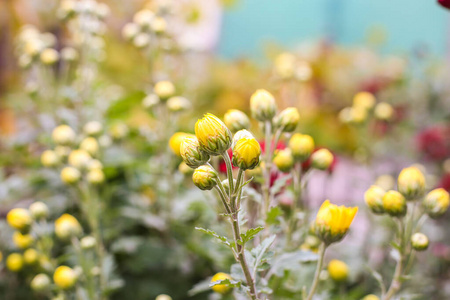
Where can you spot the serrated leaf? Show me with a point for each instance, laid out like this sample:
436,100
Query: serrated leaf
249,235
222,239
260,250
273,214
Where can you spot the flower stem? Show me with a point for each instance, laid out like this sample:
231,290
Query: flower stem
315,282
227,160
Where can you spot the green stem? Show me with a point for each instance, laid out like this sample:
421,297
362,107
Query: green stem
292,226
227,160
315,282
396,279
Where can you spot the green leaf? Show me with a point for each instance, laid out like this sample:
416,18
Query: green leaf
200,287
273,214
291,261
279,184
378,278
259,253
249,235
228,282
222,239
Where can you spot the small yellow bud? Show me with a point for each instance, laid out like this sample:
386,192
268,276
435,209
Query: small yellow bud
79,158
67,226
205,177
301,145
322,159
284,65
213,135
30,256
49,158
22,241
163,297
263,106
19,218
64,277
94,164
159,25
364,100
95,176
419,241
192,154
394,203
49,56
384,111
90,145
93,128
164,89
70,175
88,242
436,202
370,297
288,119
374,199
284,160
62,151
141,40
246,153
178,104
176,140
63,135
236,120
358,114
345,115
411,183
144,17
14,262
332,221
220,288
150,101
39,210
40,282
338,270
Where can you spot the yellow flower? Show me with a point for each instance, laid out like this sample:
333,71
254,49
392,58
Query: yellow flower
411,183
95,176
220,288
63,135
39,210
394,203
14,262
49,158
79,158
284,160
370,297
119,131
301,145
213,135
70,175
364,100
332,221
64,277
322,159
19,218
338,270
178,104
93,128
40,282
204,177
163,297
288,119
175,141
374,199
263,106
357,114
67,226
436,202
49,56
164,89
285,65
22,241
419,241
236,120
192,154
246,153
90,145
384,111
30,256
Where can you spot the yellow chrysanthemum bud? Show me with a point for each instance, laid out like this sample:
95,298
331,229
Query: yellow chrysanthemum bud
192,154
163,297
236,120
322,159
14,262
176,140
370,297
64,277
220,288
394,203
301,145
436,202
63,135
288,119
384,111
49,158
40,282
338,270
79,158
419,241
95,176
213,135
93,128
70,175
364,100
22,241
164,89
67,226
374,199
332,221
39,210
178,104
411,183
49,56
246,153
31,256
284,160
205,177
90,145
19,218
263,106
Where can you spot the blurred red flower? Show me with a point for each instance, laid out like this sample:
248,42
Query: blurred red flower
444,3
434,142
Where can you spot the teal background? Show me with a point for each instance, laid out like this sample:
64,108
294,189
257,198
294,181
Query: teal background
250,24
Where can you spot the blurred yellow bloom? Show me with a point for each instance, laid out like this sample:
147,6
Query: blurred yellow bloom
364,100
14,262
384,111
213,135
176,140
322,159
301,145
79,158
95,176
70,175
332,221
411,183
19,218
49,158
436,202
64,277
374,199
90,145
163,297
178,104
284,160
30,256
204,177
236,120
288,119
221,288
49,56
67,226
262,105
63,135
371,297
285,65
164,89
394,203
39,210
40,282
338,270
246,153
22,241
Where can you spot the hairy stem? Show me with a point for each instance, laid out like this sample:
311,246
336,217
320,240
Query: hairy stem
315,282
227,160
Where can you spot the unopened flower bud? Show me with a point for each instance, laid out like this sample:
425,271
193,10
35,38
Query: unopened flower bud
79,158
263,106
22,241
49,56
419,241
150,101
338,270
159,25
384,111
30,256
40,282
176,140
144,18
364,100
322,159
39,210
411,183
62,151
220,288
358,114
163,297
63,135
94,164
67,226
19,218
178,104
236,120
246,153
241,134
164,89
90,145
88,242
49,158
371,297
14,262
301,145
95,176
130,30
374,199
436,202
394,204
284,160
205,177
64,277
288,119
213,135
192,154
